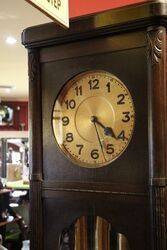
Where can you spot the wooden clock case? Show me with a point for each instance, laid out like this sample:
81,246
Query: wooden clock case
130,193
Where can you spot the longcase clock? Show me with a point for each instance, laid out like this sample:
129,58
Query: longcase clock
98,131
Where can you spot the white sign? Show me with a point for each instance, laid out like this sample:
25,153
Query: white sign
58,10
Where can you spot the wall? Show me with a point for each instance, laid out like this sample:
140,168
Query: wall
84,7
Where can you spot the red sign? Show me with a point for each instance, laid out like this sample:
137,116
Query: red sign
85,7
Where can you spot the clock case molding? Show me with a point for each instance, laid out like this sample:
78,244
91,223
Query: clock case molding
129,42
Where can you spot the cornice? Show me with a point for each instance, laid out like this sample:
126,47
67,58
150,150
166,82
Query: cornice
117,20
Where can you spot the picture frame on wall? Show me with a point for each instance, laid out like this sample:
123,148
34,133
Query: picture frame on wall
14,116
6,115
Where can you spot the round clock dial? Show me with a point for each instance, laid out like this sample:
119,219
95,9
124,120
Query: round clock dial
93,119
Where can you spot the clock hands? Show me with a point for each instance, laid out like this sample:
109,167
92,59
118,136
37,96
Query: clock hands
101,146
107,130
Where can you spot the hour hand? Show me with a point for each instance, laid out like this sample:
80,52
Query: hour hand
107,130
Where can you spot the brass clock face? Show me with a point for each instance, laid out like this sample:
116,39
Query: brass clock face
93,119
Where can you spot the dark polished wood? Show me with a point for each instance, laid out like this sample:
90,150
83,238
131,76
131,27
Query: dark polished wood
114,21
35,126
158,133
130,192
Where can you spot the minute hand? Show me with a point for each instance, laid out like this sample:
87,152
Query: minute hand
99,141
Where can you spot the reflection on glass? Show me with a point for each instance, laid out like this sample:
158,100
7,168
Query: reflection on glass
93,233
122,242
81,237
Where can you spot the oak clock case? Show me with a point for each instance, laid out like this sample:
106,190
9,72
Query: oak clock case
97,191
93,119
128,190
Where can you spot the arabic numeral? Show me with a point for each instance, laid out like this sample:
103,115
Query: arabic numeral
122,135
65,120
69,137
94,84
78,90
110,149
95,154
80,147
121,98
70,104
126,116
108,85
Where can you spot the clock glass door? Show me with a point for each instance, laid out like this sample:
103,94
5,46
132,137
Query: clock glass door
93,119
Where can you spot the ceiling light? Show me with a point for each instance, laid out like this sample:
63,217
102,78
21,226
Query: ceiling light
11,40
7,88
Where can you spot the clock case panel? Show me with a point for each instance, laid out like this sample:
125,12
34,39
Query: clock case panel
125,213
131,43
126,174
123,65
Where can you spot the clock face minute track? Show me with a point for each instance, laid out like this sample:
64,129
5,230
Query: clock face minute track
93,119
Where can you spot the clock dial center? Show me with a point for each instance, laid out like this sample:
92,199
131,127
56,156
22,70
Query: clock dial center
93,109
93,118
